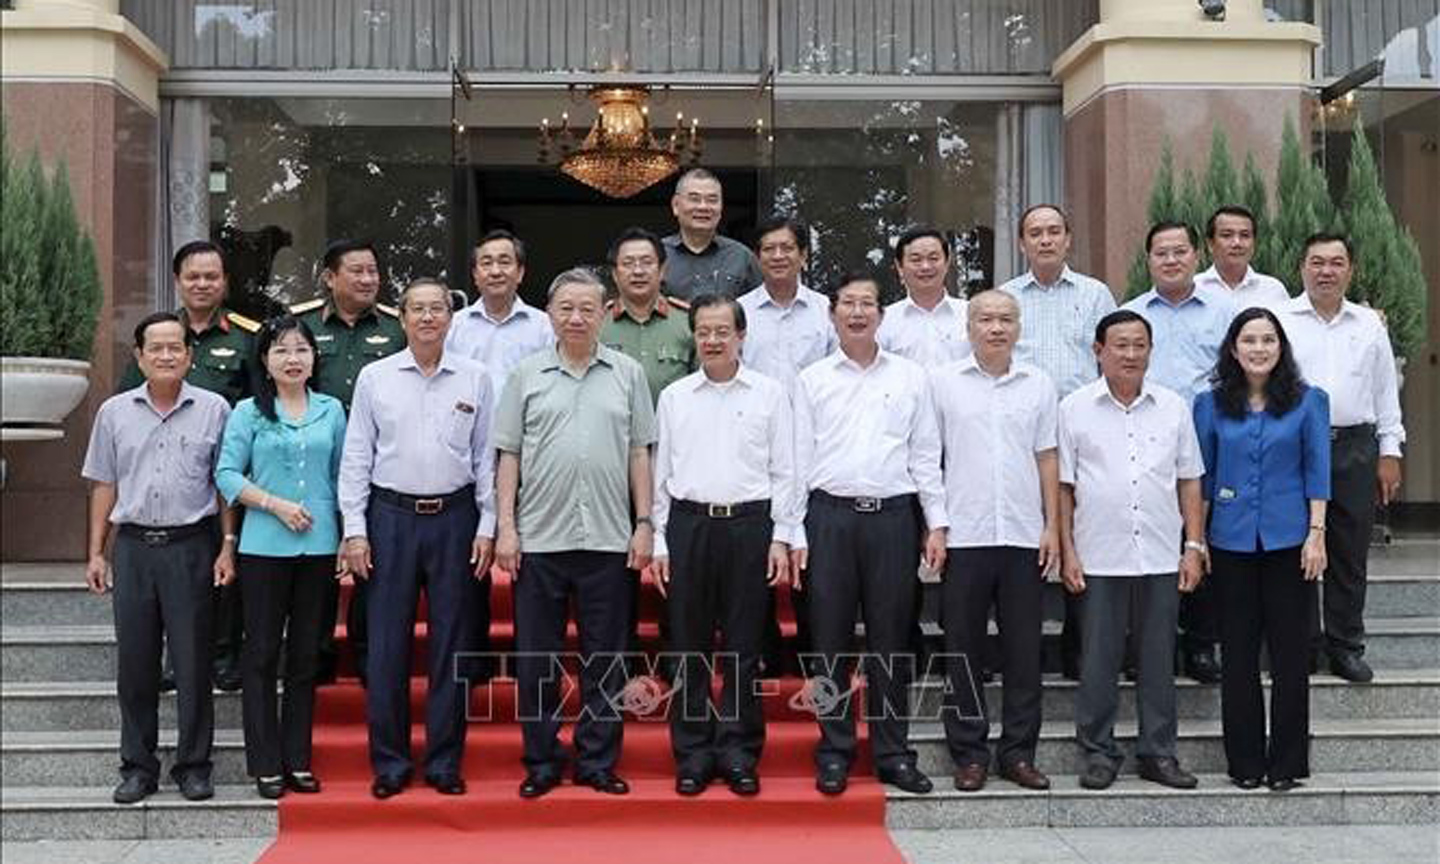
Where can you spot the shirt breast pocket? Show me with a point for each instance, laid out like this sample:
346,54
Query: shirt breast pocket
460,428
196,457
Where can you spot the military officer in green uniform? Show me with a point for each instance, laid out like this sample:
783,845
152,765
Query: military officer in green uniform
351,329
223,340
223,352
651,329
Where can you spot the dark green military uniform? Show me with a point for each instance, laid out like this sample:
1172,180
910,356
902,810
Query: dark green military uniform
661,344
222,356
345,349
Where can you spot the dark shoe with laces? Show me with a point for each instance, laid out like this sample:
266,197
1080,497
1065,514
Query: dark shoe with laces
690,785
1283,784
972,777
134,789
832,779
1246,782
604,781
446,784
303,782
270,787
1202,665
1167,772
195,787
536,785
1098,775
906,777
1025,775
387,787
1352,667
743,782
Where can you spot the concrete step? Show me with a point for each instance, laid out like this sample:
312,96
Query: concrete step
88,813
61,705
90,757
1404,581
1352,798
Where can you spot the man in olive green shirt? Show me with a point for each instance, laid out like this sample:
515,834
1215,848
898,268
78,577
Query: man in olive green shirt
222,354
574,430
351,330
650,329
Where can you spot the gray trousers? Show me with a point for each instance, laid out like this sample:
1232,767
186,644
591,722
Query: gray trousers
1105,612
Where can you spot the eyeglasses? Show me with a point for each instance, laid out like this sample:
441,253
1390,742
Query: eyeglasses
434,310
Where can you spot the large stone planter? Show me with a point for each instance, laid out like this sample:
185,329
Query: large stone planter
38,393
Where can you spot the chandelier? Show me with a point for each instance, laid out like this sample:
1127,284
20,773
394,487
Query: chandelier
620,156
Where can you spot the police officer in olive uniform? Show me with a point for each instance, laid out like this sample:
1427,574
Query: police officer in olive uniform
351,330
654,331
651,329
223,352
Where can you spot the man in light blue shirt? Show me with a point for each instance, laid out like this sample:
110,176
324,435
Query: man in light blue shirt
498,329
1059,308
1189,322
416,487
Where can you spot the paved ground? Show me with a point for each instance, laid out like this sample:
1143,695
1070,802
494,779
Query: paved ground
1361,844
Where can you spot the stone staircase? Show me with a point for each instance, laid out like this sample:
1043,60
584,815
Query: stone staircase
1375,752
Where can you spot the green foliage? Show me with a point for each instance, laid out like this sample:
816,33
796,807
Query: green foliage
1388,273
1387,261
50,291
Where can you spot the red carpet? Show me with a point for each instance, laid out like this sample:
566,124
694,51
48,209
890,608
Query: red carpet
787,823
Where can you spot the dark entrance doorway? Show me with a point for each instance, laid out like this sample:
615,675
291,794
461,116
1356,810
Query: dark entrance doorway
566,224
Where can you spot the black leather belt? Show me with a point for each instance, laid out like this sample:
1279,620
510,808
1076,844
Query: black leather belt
423,505
1359,430
164,535
722,511
863,504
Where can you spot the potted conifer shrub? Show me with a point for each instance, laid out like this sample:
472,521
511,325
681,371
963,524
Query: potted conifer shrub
50,298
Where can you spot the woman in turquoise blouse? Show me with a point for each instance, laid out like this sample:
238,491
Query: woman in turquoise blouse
1265,438
280,458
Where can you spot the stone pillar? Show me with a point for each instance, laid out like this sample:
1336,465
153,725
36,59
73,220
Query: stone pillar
81,83
1157,69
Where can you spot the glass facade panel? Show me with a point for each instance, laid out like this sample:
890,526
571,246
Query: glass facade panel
290,175
862,172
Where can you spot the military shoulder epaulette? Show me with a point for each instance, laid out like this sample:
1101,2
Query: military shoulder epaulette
249,325
677,302
307,306
388,310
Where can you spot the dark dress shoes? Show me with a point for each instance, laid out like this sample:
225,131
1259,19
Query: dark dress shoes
1352,667
1098,775
226,676
195,787
1202,666
906,777
270,787
1246,782
303,782
832,779
604,781
690,785
387,787
743,781
1025,775
1283,784
535,785
972,777
1167,772
446,784
134,789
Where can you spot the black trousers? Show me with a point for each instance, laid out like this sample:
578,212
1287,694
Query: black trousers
411,551
1354,457
1265,598
284,601
601,589
1200,619
164,590
1008,579
869,560
717,575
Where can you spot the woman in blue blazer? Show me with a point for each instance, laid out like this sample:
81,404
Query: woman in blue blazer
1265,437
